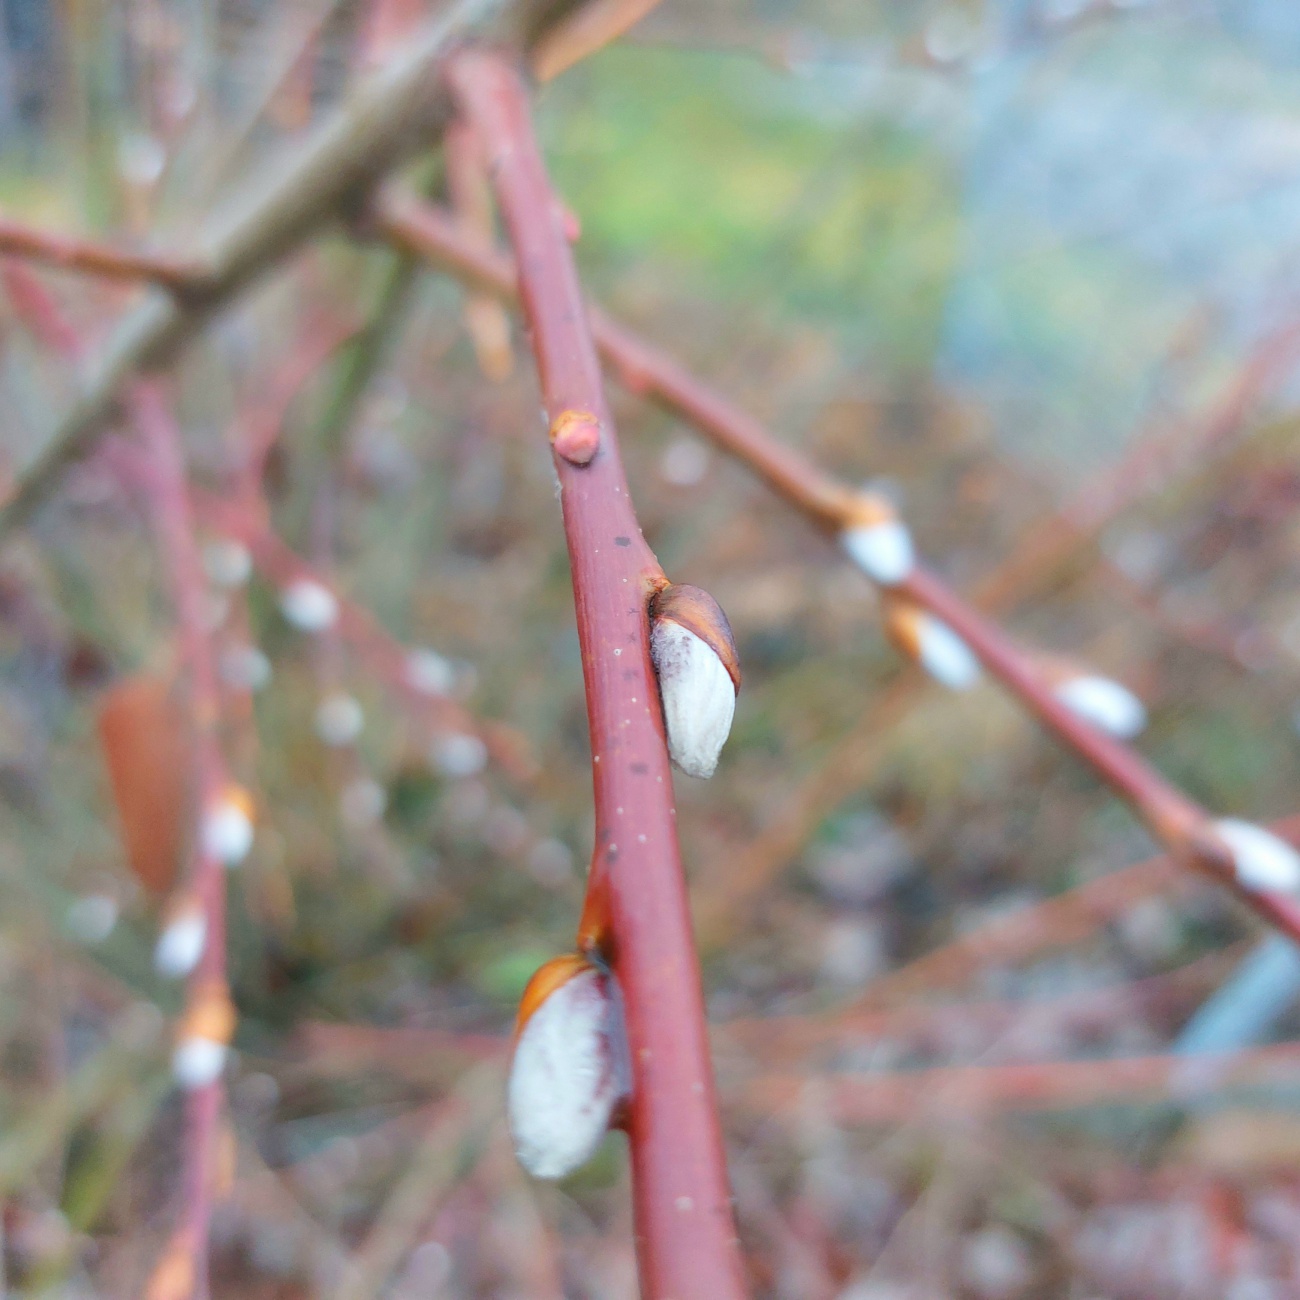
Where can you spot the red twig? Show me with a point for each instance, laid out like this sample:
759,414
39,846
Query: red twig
1176,819
686,1241
965,1090
89,256
207,982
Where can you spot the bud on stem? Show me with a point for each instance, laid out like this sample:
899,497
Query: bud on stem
877,541
203,1037
1108,705
932,644
1262,860
569,1071
694,656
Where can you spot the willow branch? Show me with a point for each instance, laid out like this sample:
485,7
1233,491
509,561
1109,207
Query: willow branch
93,257
1175,819
187,1256
686,1241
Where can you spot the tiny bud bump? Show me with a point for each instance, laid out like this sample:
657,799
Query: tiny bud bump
227,562
575,435
339,719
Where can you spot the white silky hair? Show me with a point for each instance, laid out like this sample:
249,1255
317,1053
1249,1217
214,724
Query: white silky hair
564,1077
698,695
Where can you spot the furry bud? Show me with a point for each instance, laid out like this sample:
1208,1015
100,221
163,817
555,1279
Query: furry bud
1263,861
695,659
182,941
92,917
458,755
429,673
339,719
245,668
878,542
932,644
203,1037
1105,703
227,832
309,606
227,562
568,1072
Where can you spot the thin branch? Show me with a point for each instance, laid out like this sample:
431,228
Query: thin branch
1173,817
583,32
963,1092
92,257
686,1241
187,1254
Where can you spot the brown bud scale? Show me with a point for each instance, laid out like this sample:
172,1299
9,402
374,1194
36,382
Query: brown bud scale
695,610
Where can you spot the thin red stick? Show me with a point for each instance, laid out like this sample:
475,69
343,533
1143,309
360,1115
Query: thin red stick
175,527
91,257
962,1091
686,1241
1182,825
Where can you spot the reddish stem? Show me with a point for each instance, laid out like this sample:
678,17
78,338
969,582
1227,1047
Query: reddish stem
685,1236
89,256
175,527
1177,819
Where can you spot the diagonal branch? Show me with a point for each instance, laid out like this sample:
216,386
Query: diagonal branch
206,1020
1185,828
92,257
686,1241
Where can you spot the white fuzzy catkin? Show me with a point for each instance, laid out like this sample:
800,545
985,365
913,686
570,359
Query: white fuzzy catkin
1263,860
92,917
245,667
944,655
429,673
459,755
339,719
699,697
181,944
198,1061
1105,703
227,562
564,1079
227,833
883,551
309,606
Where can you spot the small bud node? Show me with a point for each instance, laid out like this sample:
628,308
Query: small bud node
575,435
